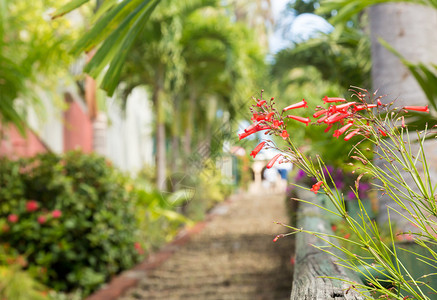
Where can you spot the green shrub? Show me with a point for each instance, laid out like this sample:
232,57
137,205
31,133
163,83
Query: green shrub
72,216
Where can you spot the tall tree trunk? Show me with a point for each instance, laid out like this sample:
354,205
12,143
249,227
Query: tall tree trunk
160,157
176,135
188,137
412,30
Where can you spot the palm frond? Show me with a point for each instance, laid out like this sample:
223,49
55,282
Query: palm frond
346,9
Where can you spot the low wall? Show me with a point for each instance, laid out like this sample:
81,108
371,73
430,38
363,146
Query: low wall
312,264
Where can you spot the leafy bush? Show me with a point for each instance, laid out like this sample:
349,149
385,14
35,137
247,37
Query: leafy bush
72,216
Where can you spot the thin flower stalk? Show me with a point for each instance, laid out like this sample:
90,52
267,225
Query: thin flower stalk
358,118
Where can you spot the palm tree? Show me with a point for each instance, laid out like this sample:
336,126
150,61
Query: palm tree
165,59
342,57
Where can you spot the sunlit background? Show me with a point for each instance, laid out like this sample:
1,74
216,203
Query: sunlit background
120,121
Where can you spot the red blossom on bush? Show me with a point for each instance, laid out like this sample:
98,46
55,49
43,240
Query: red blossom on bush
41,219
139,248
284,134
31,205
13,218
56,214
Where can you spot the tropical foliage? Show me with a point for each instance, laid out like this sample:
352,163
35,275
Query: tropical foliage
191,43
114,28
33,51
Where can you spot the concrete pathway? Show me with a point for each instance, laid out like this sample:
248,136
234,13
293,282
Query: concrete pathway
233,257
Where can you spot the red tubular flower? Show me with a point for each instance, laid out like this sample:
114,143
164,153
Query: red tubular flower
322,119
260,117
284,134
300,104
257,149
41,220
382,132
278,237
344,106
417,108
300,119
342,130
351,134
252,126
252,130
273,160
329,127
277,123
269,116
336,117
364,106
327,99
31,205
245,134
254,116
260,103
319,113
316,187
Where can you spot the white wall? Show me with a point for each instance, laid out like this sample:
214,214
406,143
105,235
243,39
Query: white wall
129,137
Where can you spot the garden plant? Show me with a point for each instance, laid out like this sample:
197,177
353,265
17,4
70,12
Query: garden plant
394,159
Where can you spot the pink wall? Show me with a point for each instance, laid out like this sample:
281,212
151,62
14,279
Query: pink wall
13,145
78,134
78,129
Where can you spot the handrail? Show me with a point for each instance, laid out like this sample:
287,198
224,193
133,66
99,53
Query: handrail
311,264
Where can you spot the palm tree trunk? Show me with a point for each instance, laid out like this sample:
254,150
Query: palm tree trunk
411,30
176,135
188,137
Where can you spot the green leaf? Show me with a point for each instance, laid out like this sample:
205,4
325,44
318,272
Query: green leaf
110,81
346,9
103,27
68,7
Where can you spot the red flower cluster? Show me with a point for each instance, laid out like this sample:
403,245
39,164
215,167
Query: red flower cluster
13,218
265,117
31,205
56,214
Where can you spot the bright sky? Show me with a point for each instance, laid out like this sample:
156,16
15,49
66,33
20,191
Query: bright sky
303,27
